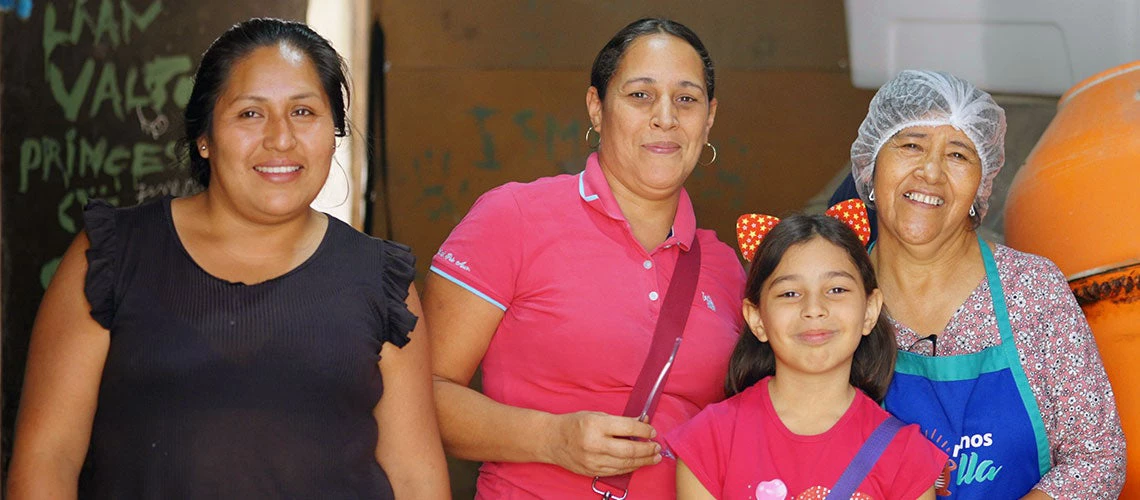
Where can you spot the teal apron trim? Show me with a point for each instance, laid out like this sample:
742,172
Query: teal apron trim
1001,312
953,369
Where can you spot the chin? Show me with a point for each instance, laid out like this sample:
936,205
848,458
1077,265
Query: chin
282,207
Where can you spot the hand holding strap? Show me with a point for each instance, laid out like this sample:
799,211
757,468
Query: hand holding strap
650,383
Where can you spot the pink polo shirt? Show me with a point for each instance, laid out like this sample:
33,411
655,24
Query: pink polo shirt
581,299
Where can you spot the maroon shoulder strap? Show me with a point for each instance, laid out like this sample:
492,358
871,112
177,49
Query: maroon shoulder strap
666,338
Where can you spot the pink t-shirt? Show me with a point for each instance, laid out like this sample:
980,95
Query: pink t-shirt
581,300
739,448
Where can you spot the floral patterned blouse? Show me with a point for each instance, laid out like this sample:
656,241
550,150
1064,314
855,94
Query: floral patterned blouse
1062,364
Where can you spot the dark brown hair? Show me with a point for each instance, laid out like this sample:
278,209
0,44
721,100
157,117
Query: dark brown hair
606,62
752,360
233,46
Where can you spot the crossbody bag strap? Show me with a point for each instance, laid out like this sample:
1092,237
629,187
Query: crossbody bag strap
654,372
865,459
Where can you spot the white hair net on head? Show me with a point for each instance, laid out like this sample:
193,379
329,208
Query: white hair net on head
930,98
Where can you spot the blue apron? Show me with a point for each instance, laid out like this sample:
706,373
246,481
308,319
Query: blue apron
979,409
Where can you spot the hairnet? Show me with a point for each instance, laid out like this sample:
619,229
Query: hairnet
930,98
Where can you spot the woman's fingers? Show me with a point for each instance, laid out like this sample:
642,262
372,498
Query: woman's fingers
597,444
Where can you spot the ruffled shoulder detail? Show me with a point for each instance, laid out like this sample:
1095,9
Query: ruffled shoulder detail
102,260
399,271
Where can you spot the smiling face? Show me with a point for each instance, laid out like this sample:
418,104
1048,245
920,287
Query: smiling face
813,310
656,117
272,141
926,178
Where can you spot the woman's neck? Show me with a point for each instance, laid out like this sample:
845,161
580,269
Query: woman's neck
908,268
923,286
236,248
649,219
811,404
228,222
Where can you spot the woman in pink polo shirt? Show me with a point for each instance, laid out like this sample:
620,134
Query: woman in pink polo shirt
556,287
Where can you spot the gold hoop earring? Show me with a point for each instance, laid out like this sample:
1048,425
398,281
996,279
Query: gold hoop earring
596,144
711,161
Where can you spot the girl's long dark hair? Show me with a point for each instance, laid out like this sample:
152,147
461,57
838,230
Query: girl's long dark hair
752,360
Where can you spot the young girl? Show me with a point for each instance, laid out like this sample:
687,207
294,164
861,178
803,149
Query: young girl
803,383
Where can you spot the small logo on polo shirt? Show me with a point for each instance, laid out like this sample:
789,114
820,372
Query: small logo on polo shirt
448,256
708,301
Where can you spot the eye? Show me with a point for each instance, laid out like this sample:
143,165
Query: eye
838,290
303,112
788,294
639,95
687,98
249,113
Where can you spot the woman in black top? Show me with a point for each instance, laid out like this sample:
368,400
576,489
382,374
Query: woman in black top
235,343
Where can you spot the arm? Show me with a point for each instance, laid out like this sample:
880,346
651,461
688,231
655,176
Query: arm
408,446
690,488
1035,494
475,427
1085,437
61,386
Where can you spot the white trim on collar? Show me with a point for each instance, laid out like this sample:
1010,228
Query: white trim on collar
582,188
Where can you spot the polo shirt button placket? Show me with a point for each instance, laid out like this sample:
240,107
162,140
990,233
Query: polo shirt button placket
653,296
648,264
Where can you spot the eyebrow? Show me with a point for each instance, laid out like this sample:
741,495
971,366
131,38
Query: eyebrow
964,146
646,79
839,274
257,98
920,135
828,275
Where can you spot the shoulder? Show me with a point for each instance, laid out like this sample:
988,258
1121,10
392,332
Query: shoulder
347,237
541,190
718,256
720,415
713,247
1015,263
112,229
1033,281
150,211
708,432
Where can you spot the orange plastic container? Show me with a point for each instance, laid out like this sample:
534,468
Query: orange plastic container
1077,202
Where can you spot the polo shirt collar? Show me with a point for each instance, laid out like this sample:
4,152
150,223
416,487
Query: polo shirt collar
596,193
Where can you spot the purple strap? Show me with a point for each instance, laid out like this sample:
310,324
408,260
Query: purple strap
670,328
868,454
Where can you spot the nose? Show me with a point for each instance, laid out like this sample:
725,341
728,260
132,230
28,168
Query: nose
279,134
665,114
932,167
814,306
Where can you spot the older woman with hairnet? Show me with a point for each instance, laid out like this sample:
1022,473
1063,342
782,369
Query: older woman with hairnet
997,363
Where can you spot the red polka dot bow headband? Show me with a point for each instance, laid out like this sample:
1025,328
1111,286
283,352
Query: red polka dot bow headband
751,228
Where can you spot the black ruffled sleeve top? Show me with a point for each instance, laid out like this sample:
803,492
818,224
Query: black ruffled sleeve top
214,389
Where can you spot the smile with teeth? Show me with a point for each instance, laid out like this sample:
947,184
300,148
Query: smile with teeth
278,170
924,198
